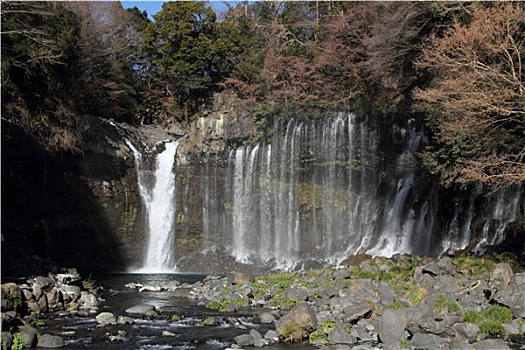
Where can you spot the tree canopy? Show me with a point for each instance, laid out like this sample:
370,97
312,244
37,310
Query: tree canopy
456,66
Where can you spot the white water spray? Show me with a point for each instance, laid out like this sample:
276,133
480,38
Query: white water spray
159,202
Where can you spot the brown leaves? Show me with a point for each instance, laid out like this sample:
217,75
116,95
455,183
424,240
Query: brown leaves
479,92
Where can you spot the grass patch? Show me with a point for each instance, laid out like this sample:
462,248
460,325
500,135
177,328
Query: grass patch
443,302
396,305
318,335
293,333
476,266
489,320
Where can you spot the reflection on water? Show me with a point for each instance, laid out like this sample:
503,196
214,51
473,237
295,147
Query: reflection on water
188,333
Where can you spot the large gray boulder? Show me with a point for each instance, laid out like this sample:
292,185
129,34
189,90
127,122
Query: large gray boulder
302,315
468,331
144,310
29,337
339,335
500,276
491,344
105,318
50,341
391,326
427,342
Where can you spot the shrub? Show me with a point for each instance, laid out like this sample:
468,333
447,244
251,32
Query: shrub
489,320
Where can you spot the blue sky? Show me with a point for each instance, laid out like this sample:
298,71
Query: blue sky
152,7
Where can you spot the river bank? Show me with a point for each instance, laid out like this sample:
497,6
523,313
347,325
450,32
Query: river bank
369,303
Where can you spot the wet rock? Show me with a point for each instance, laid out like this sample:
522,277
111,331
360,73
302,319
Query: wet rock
50,341
272,336
71,276
105,318
468,331
427,341
88,301
239,278
244,340
255,334
265,318
167,334
54,300
182,292
12,296
144,310
210,321
29,337
125,320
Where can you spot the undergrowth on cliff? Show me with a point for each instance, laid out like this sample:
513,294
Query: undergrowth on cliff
476,266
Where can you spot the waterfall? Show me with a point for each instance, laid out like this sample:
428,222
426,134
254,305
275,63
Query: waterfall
320,190
157,191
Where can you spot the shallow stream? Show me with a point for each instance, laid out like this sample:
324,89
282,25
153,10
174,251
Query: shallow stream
84,333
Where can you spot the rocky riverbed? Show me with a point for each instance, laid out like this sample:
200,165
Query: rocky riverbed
370,303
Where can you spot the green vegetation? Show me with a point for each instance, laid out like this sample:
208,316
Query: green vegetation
489,320
476,266
18,342
222,305
175,318
442,302
396,305
317,335
293,333
405,344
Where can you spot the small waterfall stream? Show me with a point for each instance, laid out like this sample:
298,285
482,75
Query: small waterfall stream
157,190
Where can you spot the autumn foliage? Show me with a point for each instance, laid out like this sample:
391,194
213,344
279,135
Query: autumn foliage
476,103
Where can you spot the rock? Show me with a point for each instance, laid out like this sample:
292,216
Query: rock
71,276
427,341
266,318
88,301
72,291
468,331
37,292
302,315
339,335
33,307
125,320
28,294
210,321
272,336
459,345
106,318
239,278
50,341
259,343
491,344
12,297
500,276
7,340
144,310
167,334
300,293
255,335
54,300
391,328
356,312
362,334
45,283
442,266
244,340
513,299
29,337
182,292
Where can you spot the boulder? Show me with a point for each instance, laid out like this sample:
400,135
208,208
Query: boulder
391,327
50,341
144,310
7,340
339,335
265,318
125,320
210,321
299,293
500,276
491,344
244,340
468,331
302,315
29,337
272,336
356,312
105,318
427,341
88,301
72,291
45,283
